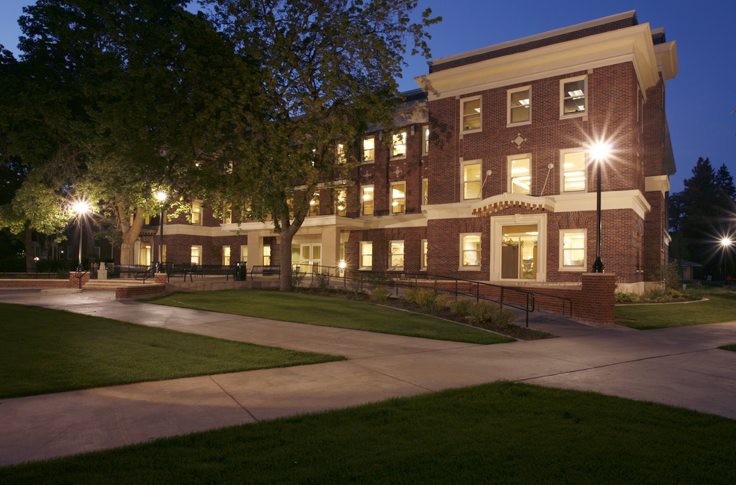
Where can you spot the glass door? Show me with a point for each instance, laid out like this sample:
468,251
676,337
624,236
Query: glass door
310,258
519,252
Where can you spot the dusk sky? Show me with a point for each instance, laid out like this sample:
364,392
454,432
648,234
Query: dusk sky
700,101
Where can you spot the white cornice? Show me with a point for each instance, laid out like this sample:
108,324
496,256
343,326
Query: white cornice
667,59
656,183
194,230
631,44
359,223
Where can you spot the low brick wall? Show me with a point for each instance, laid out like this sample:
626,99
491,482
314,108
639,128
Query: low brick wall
74,280
139,291
34,283
594,302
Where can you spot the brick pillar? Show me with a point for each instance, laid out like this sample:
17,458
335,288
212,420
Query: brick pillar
74,279
161,278
597,302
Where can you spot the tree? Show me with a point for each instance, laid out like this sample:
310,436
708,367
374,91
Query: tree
330,69
129,96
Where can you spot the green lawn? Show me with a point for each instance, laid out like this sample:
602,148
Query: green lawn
502,432
732,348
719,308
329,311
44,350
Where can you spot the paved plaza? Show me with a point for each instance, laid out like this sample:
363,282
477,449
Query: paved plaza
678,366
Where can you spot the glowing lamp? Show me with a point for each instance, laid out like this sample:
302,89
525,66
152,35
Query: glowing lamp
161,196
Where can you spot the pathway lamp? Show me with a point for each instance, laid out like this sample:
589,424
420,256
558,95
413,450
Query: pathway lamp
161,197
80,208
599,153
726,242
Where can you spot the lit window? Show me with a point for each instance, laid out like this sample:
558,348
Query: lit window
520,177
196,212
366,255
398,145
341,154
314,205
573,171
196,255
471,114
396,249
425,191
573,96
425,139
366,200
520,105
572,244
369,149
424,254
341,202
244,253
266,254
227,216
471,181
469,250
398,197
226,255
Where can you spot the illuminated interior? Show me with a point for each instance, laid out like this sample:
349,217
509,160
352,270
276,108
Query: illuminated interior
519,252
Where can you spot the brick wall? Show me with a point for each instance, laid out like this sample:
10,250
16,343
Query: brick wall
380,237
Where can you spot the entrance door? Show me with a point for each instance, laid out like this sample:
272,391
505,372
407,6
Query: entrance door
310,257
144,255
519,252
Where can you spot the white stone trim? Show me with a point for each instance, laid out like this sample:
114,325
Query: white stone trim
462,114
561,253
196,230
586,95
511,91
657,183
497,223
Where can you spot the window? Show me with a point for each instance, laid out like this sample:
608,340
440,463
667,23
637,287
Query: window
314,205
573,97
520,177
425,139
572,249
424,255
398,145
398,197
366,200
519,106
425,191
369,149
227,216
471,115
471,180
196,212
244,253
396,253
266,254
196,255
366,255
341,202
573,170
469,251
163,253
226,255
341,155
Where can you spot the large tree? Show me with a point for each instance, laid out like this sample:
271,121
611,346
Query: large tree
129,97
330,69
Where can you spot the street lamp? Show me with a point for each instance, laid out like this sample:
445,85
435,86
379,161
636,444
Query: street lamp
161,197
599,153
80,208
726,242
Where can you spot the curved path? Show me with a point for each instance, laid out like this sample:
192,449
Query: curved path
679,366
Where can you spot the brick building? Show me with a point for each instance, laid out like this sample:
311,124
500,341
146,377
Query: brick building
487,174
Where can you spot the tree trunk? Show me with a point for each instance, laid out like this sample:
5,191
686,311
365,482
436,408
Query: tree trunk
288,231
130,234
28,242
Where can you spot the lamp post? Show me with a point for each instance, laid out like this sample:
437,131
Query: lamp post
599,154
161,197
726,242
80,208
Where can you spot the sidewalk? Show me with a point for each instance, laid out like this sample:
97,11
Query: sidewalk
679,366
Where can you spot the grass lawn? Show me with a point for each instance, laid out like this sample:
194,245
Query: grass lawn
732,348
330,312
720,307
44,350
502,432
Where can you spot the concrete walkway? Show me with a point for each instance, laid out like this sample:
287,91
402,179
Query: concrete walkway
679,366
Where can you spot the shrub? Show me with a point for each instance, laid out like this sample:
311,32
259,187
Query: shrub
444,301
379,294
622,297
422,297
322,280
296,278
486,314
461,307
410,295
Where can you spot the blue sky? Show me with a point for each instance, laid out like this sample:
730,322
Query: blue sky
700,100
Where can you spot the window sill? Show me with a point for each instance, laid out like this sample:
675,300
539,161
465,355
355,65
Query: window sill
520,123
583,115
470,132
469,268
576,269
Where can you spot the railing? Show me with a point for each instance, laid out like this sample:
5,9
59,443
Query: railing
518,298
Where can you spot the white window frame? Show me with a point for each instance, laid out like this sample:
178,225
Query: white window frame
199,256
423,254
243,253
391,197
463,101
463,182
563,152
344,201
425,140
405,136
197,208
510,177
362,200
576,269
461,266
227,254
365,244
362,154
586,92
314,205
390,255
425,191
508,106
227,216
